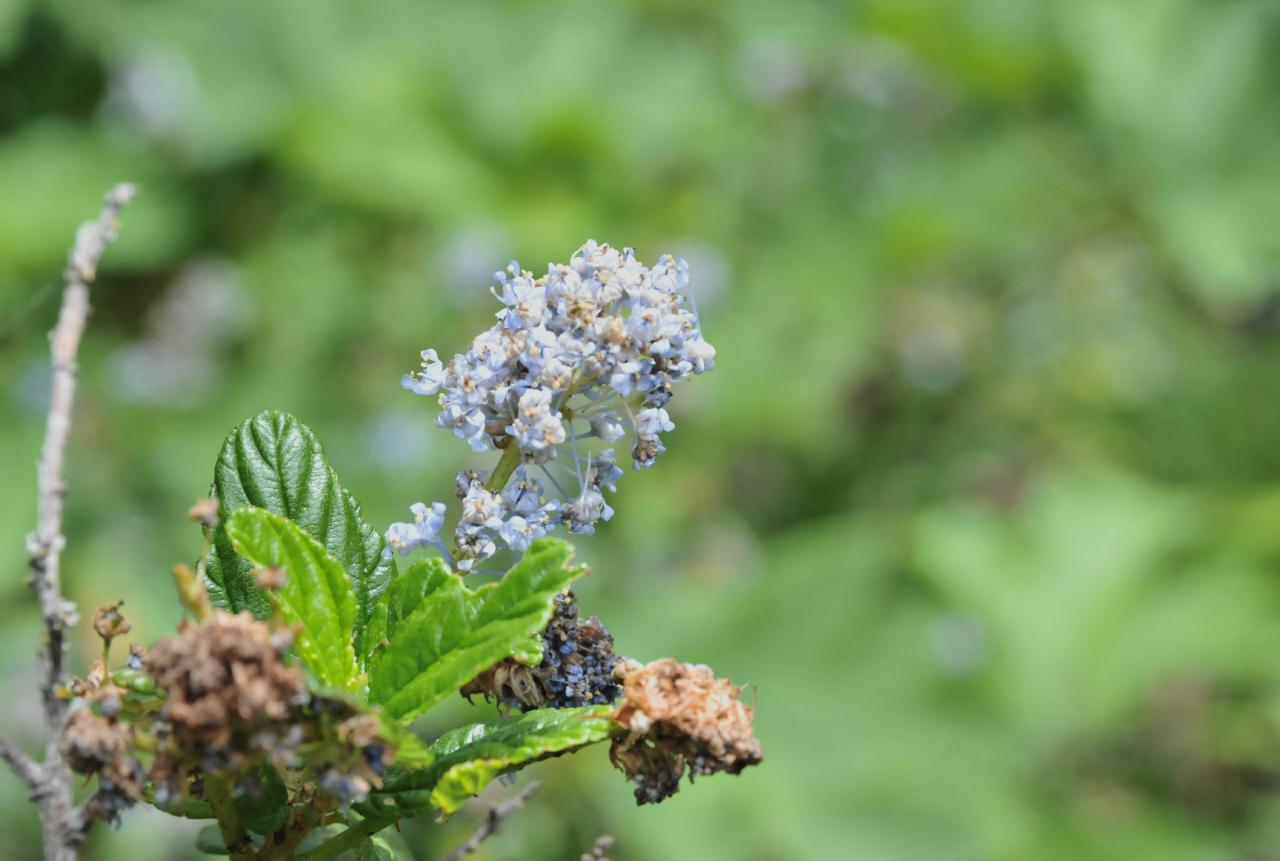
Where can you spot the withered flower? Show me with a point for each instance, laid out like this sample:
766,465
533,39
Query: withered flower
110,623
232,703
576,668
205,512
680,715
225,681
99,745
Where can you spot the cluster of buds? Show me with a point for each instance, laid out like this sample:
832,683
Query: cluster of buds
588,352
679,716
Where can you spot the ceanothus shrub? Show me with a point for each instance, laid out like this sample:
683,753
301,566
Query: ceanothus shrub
281,709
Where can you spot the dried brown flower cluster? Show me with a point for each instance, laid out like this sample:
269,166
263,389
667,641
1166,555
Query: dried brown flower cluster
680,715
233,702
96,740
230,697
224,679
576,668
100,745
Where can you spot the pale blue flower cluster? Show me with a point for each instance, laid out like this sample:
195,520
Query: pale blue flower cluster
589,351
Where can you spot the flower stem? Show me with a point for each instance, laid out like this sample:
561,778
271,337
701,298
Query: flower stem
348,839
506,465
217,791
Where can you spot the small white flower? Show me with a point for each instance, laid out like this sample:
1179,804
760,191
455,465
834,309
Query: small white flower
653,421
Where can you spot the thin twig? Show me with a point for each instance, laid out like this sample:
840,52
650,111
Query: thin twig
598,850
492,820
21,764
62,824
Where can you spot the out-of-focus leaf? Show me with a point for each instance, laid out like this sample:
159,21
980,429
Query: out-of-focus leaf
453,633
263,805
469,757
186,807
376,848
209,841
274,462
409,750
316,592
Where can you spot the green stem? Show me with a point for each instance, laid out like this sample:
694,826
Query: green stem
497,479
217,792
301,823
506,465
348,839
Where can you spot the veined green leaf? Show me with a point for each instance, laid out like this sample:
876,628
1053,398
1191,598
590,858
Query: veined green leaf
274,462
403,595
450,634
316,593
468,758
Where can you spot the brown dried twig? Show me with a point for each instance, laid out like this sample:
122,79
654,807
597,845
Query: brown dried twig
62,823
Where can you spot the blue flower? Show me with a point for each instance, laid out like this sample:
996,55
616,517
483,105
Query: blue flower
424,531
429,380
590,351
537,428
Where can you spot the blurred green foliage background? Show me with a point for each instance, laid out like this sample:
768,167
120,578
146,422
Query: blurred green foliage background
982,499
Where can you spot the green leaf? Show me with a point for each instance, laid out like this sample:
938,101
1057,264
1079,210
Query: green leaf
266,810
451,634
403,595
468,758
274,462
209,841
186,806
376,848
316,592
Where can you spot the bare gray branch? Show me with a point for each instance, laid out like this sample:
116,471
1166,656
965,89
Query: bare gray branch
21,764
62,824
599,850
492,820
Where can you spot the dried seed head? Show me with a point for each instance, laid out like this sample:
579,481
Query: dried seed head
109,623
205,512
92,741
576,669
99,745
224,680
680,715
233,703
